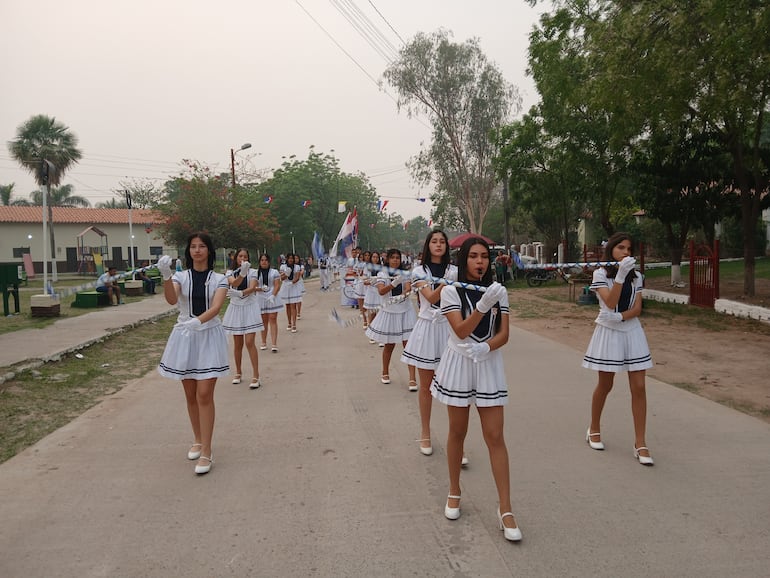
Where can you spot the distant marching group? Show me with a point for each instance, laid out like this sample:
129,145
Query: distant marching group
453,341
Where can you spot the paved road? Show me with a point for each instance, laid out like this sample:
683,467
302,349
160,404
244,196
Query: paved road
318,474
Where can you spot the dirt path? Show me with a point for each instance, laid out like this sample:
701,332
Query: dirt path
717,356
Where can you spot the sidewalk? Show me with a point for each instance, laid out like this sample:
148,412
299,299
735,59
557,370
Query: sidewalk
73,333
317,474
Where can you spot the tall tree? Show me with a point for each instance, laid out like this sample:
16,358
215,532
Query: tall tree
198,200
667,61
47,149
466,98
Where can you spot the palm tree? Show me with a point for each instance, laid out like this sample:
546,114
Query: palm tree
60,197
47,149
6,193
113,203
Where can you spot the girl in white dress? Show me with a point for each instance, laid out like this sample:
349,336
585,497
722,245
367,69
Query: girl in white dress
363,269
431,332
243,317
299,268
372,298
396,319
471,371
269,300
196,351
618,343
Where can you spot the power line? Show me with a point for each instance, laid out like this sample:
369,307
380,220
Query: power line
386,22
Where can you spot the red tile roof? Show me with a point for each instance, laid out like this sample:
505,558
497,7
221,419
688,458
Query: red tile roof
13,214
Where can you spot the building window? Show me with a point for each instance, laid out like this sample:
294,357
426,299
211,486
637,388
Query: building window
18,252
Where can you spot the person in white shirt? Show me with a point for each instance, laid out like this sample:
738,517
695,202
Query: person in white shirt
618,342
108,283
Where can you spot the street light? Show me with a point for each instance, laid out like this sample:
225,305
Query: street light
292,241
244,146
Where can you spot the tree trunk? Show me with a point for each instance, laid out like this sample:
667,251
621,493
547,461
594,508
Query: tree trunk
749,221
675,247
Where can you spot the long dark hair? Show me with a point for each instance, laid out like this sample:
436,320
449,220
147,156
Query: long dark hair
462,275
462,261
425,255
209,243
264,273
613,242
235,257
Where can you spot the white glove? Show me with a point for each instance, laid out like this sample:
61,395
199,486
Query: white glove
245,266
165,267
397,280
475,351
490,297
233,293
192,324
624,268
610,316
271,299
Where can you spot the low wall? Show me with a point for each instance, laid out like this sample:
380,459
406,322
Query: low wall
734,308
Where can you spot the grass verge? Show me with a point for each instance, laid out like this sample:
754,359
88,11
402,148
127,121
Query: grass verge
38,401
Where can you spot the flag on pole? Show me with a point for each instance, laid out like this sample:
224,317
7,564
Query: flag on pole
305,204
347,237
406,224
381,205
268,199
429,223
341,206
421,199
317,247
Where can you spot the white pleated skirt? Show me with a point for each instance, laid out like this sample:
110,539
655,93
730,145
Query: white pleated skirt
359,288
195,354
372,298
614,351
392,327
265,307
243,318
427,343
460,382
290,292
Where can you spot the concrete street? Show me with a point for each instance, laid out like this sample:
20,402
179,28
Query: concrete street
318,473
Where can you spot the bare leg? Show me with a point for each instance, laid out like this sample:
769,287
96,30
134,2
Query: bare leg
492,420
387,353
425,399
190,393
265,322
273,321
238,353
205,398
458,427
251,347
603,388
636,381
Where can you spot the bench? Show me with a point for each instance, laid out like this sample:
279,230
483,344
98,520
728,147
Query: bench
94,298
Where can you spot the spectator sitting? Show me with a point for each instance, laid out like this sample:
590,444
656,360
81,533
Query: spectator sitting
149,282
108,283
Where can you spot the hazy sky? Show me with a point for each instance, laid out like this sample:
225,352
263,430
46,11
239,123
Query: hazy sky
144,84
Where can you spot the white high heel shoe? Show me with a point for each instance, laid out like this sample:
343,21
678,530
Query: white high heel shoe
425,451
644,460
594,445
512,534
451,513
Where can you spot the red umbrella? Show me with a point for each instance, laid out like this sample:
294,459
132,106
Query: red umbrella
460,239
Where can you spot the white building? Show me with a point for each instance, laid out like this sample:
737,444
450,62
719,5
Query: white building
84,237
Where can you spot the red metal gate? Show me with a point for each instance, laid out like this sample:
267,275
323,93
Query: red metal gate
704,274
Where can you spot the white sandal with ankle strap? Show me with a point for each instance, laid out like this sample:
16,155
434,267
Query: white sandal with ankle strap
199,469
511,534
192,454
451,513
